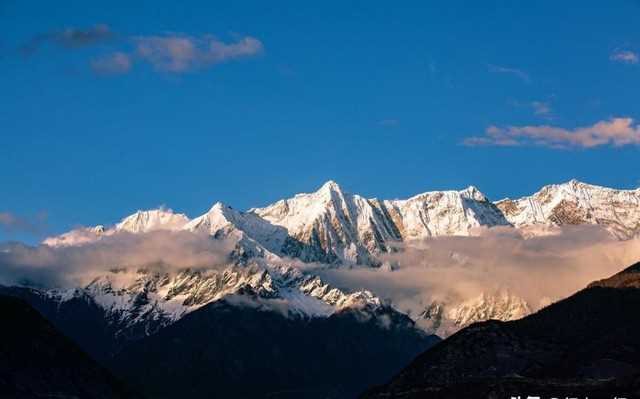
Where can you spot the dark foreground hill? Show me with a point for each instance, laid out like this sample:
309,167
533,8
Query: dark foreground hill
224,350
36,361
587,345
229,351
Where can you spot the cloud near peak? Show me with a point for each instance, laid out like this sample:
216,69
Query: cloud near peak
616,132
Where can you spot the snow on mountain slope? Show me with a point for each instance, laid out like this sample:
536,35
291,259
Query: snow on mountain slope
156,219
79,236
444,319
148,299
575,203
331,226
442,213
335,226
256,237
139,222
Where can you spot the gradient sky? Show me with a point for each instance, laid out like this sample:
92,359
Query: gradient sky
103,114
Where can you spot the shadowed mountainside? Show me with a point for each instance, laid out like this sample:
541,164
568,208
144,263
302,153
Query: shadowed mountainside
585,345
36,361
226,350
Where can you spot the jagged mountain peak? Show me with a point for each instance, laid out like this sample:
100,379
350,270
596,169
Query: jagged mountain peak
329,193
471,192
153,219
330,185
218,206
577,203
336,226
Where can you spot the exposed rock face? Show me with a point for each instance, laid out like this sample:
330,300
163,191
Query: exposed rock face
127,305
333,226
576,203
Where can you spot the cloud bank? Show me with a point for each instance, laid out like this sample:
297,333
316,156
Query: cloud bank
457,269
615,132
77,265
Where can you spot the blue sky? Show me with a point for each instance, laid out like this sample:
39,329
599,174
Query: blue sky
259,101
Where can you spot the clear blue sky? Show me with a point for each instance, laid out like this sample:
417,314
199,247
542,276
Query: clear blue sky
373,95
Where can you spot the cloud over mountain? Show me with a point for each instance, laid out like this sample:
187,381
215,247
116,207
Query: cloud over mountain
500,259
77,265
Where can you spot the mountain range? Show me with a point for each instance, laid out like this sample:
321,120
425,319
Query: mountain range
333,226
337,229
130,316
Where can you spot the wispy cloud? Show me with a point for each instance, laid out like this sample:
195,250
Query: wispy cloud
541,108
625,56
112,64
167,52
14,223
520,74
616,132
388,122
69,38
180,53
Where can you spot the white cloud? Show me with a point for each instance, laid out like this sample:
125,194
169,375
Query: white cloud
616,132
457,269
77,265
625,56
180,53
112,64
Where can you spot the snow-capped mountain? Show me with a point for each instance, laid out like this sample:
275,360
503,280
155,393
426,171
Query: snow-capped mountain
575,203
139,222
335,227
442,213
255,237
444,319
148,299
331,226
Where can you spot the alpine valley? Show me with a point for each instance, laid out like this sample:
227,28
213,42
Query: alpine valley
264,312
